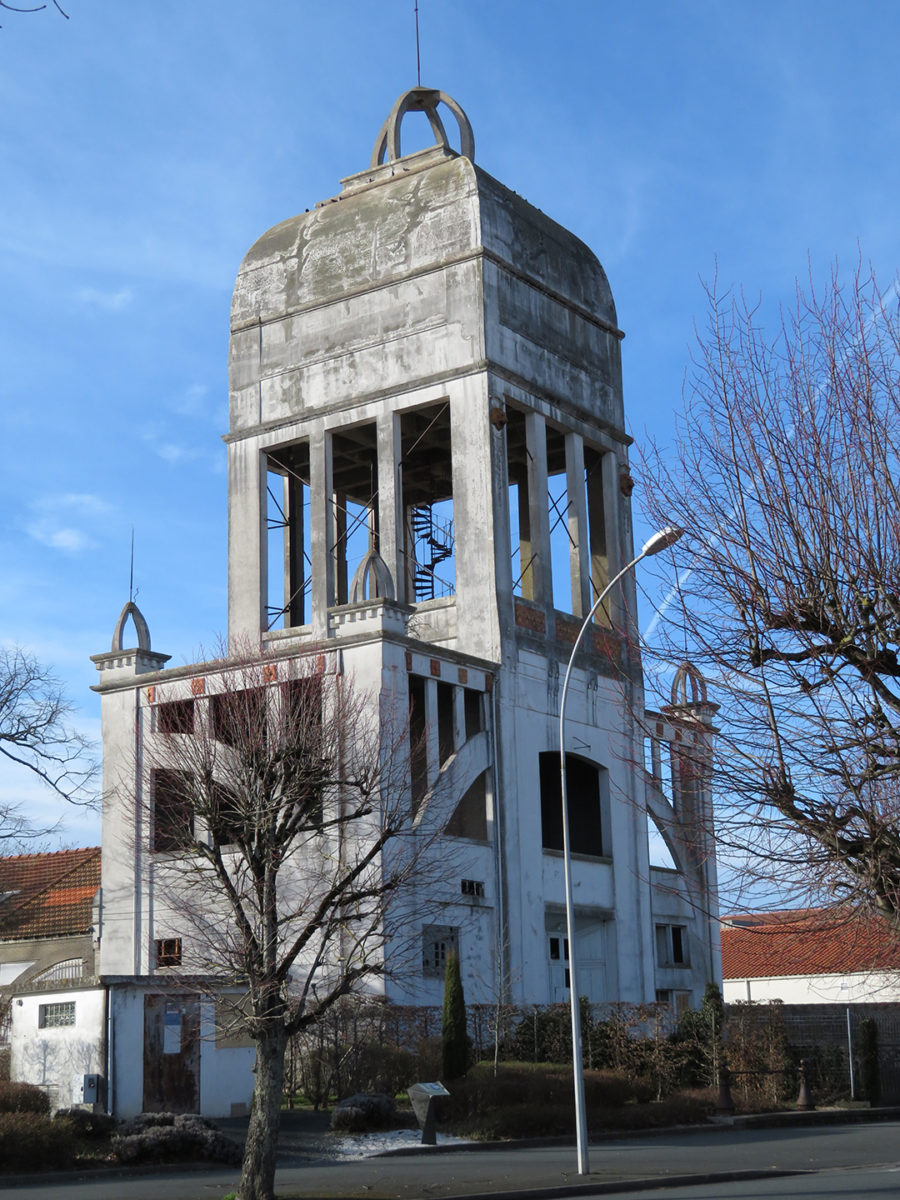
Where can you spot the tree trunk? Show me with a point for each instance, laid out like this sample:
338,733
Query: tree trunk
258,1167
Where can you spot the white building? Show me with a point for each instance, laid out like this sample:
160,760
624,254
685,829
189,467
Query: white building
428,482
809,956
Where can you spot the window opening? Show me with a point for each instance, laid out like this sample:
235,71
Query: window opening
469,818
659,853
239,718
584,783
418,749
474,708
427,472
437,942
559,949
558,506
288,536
520,549
445,720
354,502
175,716
671,945
472,887
168,952
303,737
55,1016
596,515
173,819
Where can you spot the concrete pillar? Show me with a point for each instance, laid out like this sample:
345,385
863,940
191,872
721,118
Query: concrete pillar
612,515
579,556
294,572
432,745
321,530
247,549
538,548
390,500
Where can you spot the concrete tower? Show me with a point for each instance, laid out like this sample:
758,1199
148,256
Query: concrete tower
428,468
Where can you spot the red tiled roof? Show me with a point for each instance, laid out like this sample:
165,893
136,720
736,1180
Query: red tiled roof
48,895
806,942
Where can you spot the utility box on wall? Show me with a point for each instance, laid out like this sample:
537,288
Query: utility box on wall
93,1089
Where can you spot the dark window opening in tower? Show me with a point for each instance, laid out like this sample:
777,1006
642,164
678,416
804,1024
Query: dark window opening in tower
418,747
586,785
520,543
561,524
426,463
469,819
596,517
287,587
354,503
445,709
474,709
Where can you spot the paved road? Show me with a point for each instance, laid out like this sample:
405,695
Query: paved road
442,1175
876,1183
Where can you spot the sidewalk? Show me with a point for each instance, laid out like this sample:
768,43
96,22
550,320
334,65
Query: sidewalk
534,1172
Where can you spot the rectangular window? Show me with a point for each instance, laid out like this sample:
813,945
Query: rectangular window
418,750
175,716
671,945
168,952
173,818
54,1016
585,785
239,718
472,887
287,543
354,503
428,502
437,942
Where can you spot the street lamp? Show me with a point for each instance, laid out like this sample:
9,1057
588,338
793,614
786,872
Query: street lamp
660,541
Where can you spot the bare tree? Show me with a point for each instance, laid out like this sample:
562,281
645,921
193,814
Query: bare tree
299,854
36,734
786,473
33,8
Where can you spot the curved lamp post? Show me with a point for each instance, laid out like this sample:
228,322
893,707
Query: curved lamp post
660,541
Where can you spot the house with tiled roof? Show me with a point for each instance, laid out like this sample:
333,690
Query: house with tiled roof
49,933
810,956
47,916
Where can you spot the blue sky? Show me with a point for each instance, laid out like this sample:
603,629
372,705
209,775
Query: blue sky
145,146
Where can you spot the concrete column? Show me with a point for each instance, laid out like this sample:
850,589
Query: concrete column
576,515
247,550
459,717
613,520
390,500
538,548
321,530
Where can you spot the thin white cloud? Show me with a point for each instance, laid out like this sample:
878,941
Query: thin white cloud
52,522
192,402
107,301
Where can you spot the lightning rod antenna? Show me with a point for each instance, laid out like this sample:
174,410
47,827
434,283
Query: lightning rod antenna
418,60
131,571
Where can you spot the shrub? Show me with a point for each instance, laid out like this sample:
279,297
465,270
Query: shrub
86,1124
362,1113
453,1025
23,1098
160,1137
869,1075
32,1141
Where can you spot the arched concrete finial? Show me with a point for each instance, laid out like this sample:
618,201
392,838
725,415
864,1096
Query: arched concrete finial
422,99
372,576
688,687
140,625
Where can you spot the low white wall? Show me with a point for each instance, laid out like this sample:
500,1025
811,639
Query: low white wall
866,987
57,1058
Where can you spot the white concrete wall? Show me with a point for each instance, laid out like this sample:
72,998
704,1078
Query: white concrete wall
866,987
58,1058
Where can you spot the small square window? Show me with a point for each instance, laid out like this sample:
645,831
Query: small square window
472,887
168,952
54,1016
671,946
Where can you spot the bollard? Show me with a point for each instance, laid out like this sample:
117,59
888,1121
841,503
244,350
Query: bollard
805,1099
725,1104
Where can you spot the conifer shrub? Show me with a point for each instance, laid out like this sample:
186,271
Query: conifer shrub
23,1098
455,1041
